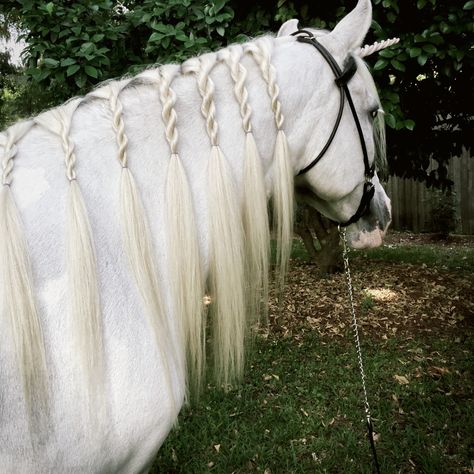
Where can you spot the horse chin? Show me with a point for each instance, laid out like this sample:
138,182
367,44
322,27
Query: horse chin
365,239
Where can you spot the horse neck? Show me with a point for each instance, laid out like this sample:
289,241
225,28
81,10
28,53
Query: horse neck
308,98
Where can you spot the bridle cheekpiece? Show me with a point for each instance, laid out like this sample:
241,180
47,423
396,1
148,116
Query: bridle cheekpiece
343,76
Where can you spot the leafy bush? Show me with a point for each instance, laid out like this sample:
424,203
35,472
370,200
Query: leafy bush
424,80
442,219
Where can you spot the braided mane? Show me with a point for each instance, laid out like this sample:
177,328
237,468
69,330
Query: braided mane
238,232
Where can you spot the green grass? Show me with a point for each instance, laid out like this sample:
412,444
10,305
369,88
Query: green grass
454,258
299,411
299,408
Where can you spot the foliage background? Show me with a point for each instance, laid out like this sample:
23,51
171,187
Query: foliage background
425,81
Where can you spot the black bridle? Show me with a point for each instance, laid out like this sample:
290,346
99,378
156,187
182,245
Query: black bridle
342,78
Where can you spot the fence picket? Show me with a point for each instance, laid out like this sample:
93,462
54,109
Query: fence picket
413,204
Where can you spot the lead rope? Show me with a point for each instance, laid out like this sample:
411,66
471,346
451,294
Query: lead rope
355,329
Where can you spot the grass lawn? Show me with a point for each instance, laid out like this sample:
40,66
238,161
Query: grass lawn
299,408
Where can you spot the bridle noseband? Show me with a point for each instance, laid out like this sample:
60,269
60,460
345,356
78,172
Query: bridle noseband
342,78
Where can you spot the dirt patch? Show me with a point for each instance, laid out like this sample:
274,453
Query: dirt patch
391,299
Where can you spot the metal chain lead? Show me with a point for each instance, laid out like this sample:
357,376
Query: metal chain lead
355,329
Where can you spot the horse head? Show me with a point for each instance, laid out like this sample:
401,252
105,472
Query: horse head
334,140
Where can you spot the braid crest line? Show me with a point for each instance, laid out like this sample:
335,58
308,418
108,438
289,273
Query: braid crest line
232,56
168,113
9,143
261,51
118,124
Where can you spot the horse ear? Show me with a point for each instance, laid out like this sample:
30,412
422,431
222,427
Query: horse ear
288,28
351,30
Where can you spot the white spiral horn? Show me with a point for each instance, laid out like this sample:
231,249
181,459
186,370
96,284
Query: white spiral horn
369,49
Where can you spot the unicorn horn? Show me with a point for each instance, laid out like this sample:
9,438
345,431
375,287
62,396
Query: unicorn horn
369,49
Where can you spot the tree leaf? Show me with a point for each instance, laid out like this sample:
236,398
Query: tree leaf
72,69
414,52
398,65
380,64
51,62
161,27
97,37
67,62
390,120
218,5
91,71
80,80
429,48
49,7
422,58
155,37
387,53
409,124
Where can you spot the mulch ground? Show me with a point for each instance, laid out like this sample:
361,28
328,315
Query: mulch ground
391,298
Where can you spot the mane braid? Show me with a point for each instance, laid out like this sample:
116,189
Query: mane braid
226,260
282,193
254,206
138,246
184,256
18,302
81,267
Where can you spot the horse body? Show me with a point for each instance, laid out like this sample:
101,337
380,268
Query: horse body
139,410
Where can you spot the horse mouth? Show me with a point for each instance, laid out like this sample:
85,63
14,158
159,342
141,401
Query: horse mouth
362,237
367,239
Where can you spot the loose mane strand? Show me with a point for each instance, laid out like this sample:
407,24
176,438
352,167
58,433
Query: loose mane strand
254,206
18,302
226,257
283,188
186,274
137,242
81,267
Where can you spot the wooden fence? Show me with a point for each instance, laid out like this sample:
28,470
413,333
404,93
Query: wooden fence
419,209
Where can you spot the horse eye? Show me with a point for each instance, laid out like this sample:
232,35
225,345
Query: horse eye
373,113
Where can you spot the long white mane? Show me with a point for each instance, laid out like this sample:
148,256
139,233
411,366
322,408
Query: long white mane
237,277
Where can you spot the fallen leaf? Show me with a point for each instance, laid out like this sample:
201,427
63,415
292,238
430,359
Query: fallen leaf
401,379
438,371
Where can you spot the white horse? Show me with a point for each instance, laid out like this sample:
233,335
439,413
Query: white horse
118,208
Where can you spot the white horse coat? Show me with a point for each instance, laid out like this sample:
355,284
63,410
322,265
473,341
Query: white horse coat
139,411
